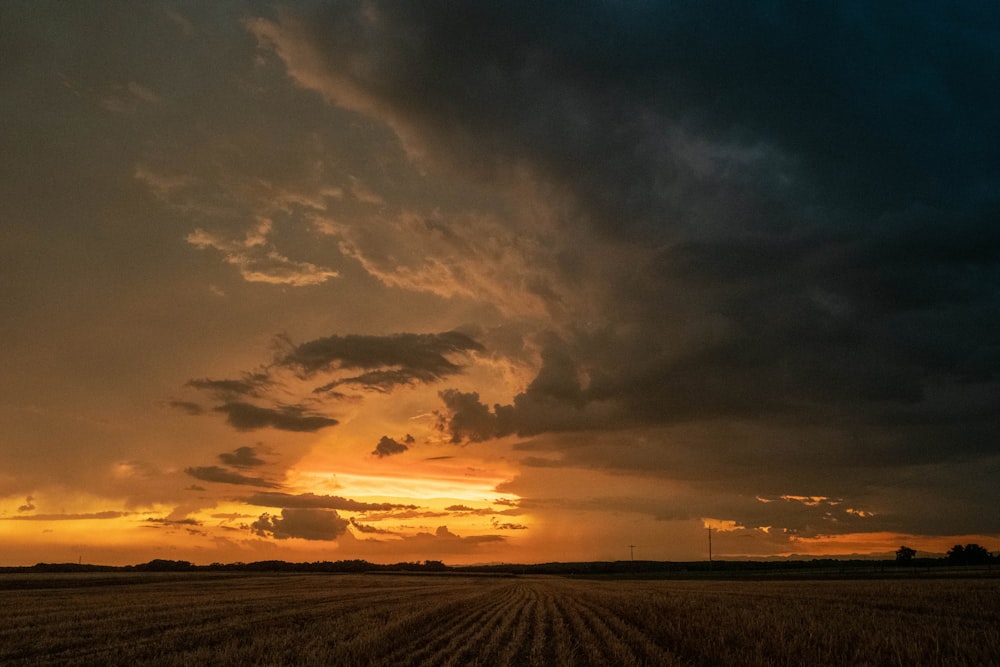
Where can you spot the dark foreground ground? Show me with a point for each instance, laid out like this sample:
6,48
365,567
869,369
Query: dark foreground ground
380,619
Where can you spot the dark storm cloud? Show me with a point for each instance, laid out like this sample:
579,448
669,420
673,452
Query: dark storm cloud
555,400
387,446
248,417
771,471
221,475
810,193
398,359
468,418
819,178
306,524
242,457
311,500
877,106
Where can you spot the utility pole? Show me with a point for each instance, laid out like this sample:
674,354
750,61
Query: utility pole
709,547
631,552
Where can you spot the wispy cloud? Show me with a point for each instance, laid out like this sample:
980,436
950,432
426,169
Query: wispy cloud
257,259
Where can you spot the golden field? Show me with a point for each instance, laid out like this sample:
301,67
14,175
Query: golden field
383,619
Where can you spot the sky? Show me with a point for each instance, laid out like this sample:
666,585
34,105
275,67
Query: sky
497,282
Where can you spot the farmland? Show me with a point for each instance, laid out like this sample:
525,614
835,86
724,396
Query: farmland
359,619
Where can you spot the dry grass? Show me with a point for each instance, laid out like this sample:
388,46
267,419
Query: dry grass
314,619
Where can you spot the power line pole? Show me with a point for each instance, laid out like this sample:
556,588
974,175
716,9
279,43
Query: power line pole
709,547
631,552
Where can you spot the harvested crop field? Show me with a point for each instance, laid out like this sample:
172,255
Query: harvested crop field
316,619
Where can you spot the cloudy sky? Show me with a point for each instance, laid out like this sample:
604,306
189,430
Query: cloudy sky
482,282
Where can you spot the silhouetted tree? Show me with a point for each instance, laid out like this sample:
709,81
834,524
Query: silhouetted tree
161,565
970,554
434,566
905,554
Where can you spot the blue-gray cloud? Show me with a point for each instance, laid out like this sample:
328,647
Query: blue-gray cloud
306,524
224,476
247,417
242,457
810,192
389,360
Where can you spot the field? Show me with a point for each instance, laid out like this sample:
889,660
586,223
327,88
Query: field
317,619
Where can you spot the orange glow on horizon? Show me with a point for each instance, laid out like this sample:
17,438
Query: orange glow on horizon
879,543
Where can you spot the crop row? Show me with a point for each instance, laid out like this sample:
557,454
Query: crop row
316,619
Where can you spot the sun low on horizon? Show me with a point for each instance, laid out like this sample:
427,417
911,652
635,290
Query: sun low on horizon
482,283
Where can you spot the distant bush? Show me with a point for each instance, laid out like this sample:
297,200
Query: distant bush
160,565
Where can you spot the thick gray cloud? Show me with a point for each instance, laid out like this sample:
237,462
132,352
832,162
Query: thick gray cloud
306,524
467,418
224,476
248,417
816,183
876,106
388,446
408,357
806,195
242,457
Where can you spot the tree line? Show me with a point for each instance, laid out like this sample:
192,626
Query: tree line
958,555
970,554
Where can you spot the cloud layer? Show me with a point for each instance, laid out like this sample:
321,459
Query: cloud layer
793,206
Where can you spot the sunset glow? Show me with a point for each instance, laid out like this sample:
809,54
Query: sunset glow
496,282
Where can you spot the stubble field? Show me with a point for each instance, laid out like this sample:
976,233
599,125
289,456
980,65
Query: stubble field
316,619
